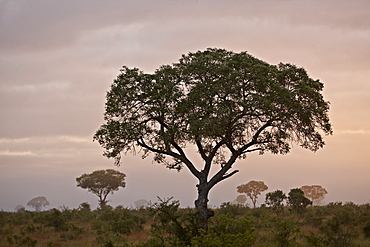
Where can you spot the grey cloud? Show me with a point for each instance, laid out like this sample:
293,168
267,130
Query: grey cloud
40,25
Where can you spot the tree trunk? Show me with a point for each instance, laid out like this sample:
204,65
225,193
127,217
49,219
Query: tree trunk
102,203
201,205
254,202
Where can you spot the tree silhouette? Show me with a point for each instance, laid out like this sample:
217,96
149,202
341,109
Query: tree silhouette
252,189
225,104
19,208
298,201
142,203
241,199
38,202
316,193
276,200
102,183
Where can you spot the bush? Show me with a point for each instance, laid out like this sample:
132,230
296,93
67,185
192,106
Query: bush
285,232
173,226
121,220
366,230
233,209
226,230
53,218
223,240
20,240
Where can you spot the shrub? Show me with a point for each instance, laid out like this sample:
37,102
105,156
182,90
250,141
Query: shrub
173,226
366,230
285,232
226,230
233,209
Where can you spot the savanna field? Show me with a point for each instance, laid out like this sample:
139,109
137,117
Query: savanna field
103,96
166,224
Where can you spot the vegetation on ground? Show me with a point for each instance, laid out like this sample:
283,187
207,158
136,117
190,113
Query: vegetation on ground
166,224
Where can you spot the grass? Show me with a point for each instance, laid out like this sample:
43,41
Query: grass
325,224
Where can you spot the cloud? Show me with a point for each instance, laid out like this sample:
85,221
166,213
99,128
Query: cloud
12,153
39,26
16,140
36,88
355,132
47,140
54,147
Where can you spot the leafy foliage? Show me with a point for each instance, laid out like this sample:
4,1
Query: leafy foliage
241,199
226,230
285,232
215,99
252,189
166,224
276,200
297,201
316,193
102,183
172,226
38,202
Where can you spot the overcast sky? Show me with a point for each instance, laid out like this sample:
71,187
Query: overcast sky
58,59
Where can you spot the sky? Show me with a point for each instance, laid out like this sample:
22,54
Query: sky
59,58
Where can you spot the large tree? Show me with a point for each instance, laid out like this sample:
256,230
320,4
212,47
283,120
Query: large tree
225,104
102,183
252,189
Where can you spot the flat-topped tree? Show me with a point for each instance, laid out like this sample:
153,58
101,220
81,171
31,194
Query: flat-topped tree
316,193
102,183
226,104
38,202
252,189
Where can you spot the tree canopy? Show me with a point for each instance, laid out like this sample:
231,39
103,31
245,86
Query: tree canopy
252,189
225,104
298,201
316,193
38,202
102,183
240,199
276,200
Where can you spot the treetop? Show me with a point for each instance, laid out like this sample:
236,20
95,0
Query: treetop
220,101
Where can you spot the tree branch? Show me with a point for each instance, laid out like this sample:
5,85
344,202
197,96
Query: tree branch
255,137
229,175
201,150
181,156
212,154
252,150
220,175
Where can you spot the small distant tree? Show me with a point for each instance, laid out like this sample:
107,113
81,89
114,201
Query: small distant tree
141,203
20,208
38,202
298,201
252,189
241,199
316,193
102,183
84,206
275,200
